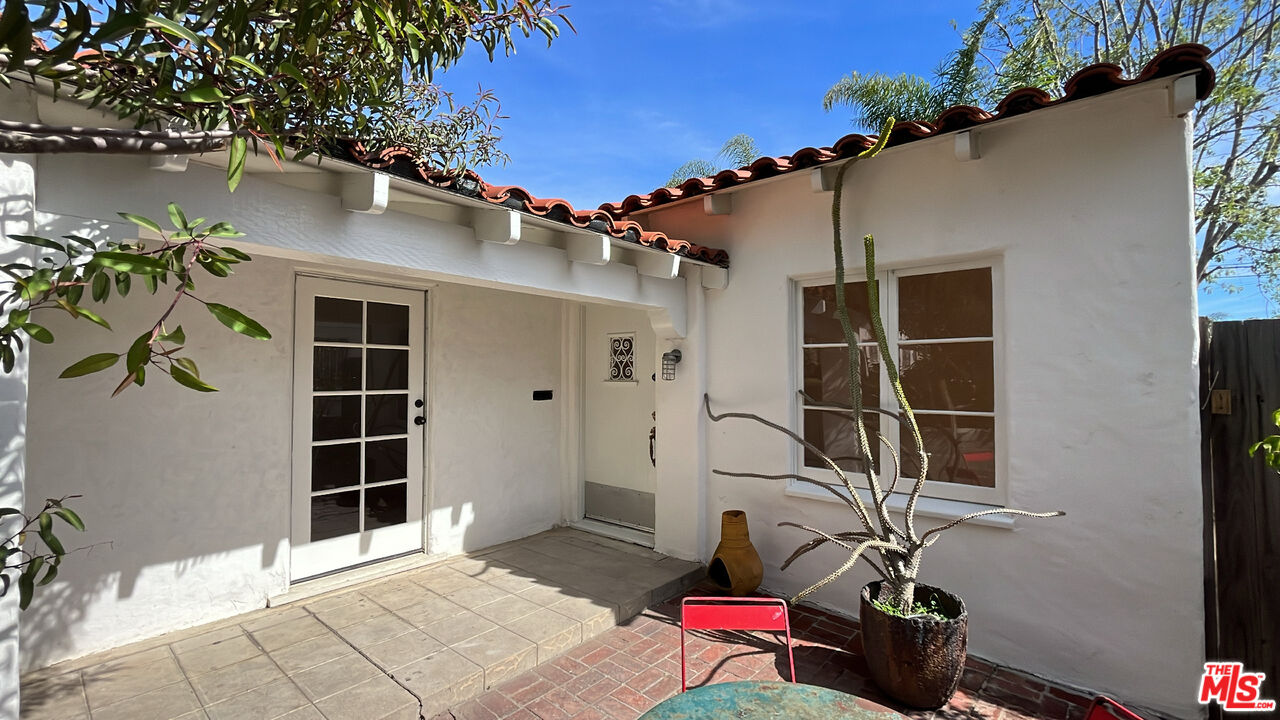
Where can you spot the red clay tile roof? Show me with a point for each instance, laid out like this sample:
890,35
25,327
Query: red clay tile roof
1088,82
402,162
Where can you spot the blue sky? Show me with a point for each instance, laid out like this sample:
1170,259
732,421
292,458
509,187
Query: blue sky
645,85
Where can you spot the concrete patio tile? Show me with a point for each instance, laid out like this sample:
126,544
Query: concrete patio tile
274,637
429,609
500,652
403,649
272,616
348,614
375,630
548,595
335,676
518,581
207,658
206,639
453,630
474,597
309,653
506,609
333,600
441,680
444,580
234,679
166,703
397,595
266,702
125,679
552,632
54,698
595,615
373,698
306,712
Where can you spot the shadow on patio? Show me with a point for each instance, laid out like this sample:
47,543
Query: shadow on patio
408,645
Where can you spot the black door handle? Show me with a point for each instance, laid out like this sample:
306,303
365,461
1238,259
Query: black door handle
653,434
419,420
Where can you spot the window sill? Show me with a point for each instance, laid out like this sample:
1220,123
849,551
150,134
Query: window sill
926,507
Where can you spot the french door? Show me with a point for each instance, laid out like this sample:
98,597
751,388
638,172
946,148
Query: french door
358,424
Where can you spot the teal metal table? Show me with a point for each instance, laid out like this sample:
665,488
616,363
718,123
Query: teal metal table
768,701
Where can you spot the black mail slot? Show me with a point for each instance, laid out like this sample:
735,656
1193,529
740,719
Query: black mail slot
541,394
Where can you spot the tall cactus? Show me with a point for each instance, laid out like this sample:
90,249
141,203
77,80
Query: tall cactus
900,549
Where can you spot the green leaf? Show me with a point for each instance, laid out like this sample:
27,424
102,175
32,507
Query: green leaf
91,316
238,321
70,517
188,364
39,241
7,358
223,229
49,574
39,333
235,165
246,63
176,215
139,353
172,28
26,588
45,521
130,263
9,511
123,282
142,222
92,364
152,283
185,378
237,254
177,336
203,94
101,287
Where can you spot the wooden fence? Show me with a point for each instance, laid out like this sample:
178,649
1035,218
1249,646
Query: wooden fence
1239,390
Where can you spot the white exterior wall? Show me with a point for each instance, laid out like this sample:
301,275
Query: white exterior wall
186,495
1088,209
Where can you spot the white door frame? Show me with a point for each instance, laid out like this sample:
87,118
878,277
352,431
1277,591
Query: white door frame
309,559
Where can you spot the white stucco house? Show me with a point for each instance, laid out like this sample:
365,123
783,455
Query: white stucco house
454,365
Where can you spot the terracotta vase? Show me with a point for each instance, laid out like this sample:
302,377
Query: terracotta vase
735,567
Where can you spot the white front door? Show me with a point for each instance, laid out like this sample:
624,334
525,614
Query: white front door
619,427
358,424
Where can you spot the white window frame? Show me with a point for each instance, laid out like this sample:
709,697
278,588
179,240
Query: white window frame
887,280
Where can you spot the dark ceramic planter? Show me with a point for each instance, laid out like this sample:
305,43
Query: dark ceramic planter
917,661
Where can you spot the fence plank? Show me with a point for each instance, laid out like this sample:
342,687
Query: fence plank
1244,357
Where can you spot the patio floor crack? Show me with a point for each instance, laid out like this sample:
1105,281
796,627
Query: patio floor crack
373,662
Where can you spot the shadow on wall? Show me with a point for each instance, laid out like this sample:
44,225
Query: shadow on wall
185,494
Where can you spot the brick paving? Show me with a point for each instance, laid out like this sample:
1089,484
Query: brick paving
627,670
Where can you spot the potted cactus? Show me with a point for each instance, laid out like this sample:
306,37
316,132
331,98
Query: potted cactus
913,635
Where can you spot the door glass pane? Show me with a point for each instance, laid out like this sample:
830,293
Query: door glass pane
949,376
386,460
388,369
385,505
945,305
387,415
336,368
335,515
826,376
820,322
961,450
834,434
334,418
388,324
334,466
338,320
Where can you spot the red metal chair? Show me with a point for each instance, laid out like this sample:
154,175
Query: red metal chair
1104,708
721,613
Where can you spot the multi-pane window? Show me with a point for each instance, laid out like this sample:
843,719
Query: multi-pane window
940,326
